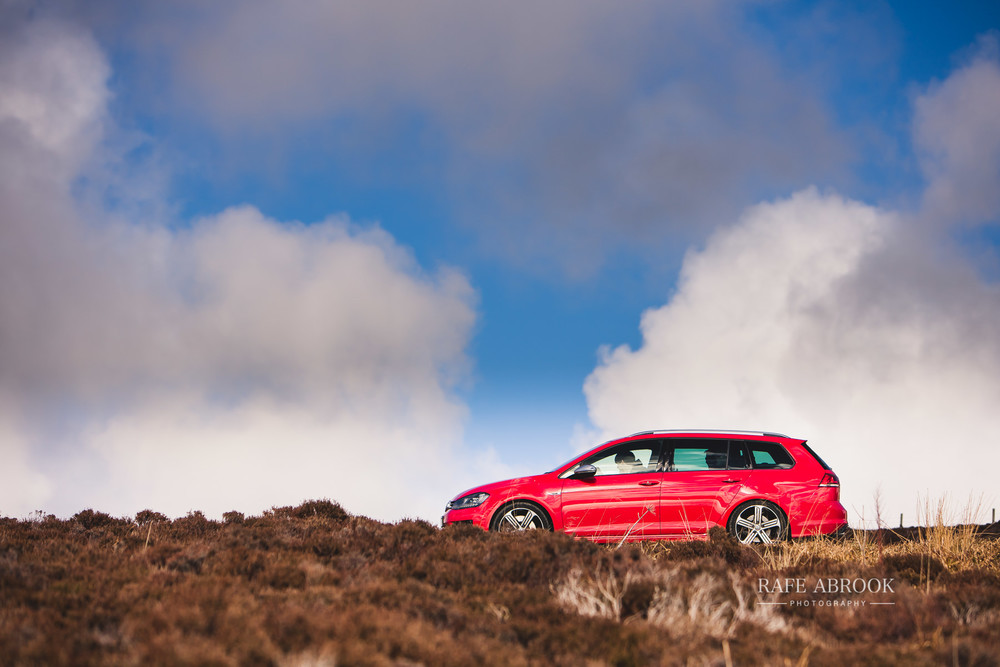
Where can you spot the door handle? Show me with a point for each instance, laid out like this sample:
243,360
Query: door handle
731,481
648,482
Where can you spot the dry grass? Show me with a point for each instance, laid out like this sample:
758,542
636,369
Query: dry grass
685,600
952,548
948,541
311,585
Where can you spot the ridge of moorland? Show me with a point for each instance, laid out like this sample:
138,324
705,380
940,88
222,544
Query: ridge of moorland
314,585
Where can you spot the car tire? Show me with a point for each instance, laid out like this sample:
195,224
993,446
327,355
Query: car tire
758,522
519,516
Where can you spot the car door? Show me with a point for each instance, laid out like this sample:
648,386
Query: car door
622,499
697,485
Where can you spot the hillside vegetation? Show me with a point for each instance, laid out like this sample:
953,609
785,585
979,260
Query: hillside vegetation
312,585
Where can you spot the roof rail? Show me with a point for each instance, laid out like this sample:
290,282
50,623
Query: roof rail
768,434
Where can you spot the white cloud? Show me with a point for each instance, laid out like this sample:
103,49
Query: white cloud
816,317
181,452
233,363
28,487
867,331
52,90
957,130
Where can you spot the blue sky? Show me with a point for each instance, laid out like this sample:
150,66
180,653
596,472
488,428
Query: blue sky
530,183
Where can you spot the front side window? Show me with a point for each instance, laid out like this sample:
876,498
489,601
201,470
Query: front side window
638,456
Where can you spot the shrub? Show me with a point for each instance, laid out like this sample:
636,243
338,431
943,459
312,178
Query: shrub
325,509
233,517
312,584
916,568
90,519
149,516
194,524
720,545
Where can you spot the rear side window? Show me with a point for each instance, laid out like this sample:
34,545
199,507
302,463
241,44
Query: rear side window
769,455
694,455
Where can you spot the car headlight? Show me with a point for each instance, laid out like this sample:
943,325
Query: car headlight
469,501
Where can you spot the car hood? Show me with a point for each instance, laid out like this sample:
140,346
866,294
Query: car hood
494,487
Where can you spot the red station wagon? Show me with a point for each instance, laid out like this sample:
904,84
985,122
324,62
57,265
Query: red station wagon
761,487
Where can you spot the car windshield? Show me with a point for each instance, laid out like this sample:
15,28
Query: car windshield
575,457
563,464
549,472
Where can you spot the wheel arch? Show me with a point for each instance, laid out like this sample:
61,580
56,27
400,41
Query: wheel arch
744,501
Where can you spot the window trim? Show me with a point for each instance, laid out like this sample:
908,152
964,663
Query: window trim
667,443
749,459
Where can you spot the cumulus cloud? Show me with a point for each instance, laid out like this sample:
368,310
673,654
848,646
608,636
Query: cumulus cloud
814,316
53,93
957,131
866,330
234,362
863,329
558,130
28,487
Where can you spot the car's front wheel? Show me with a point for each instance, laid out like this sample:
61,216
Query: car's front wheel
520,515
758,522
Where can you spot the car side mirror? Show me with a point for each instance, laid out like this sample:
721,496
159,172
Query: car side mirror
584,471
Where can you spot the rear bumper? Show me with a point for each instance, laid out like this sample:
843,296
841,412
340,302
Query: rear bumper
829,518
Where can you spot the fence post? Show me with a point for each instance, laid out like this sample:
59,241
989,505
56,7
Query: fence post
900,519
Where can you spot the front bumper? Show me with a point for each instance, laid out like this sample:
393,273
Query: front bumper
478,516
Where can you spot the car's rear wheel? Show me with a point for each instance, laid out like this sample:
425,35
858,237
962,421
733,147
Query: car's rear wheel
758,522
520,515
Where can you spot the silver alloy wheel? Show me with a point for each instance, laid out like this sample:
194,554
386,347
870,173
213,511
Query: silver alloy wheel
520,516
758,522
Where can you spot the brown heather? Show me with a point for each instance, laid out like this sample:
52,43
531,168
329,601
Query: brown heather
311,585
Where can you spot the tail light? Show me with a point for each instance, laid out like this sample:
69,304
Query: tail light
830,480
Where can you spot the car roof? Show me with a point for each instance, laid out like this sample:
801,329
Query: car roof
767,434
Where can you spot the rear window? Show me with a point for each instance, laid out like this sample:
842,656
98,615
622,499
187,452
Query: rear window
769,455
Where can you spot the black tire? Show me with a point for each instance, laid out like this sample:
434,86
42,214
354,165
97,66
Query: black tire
518,516
758,522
